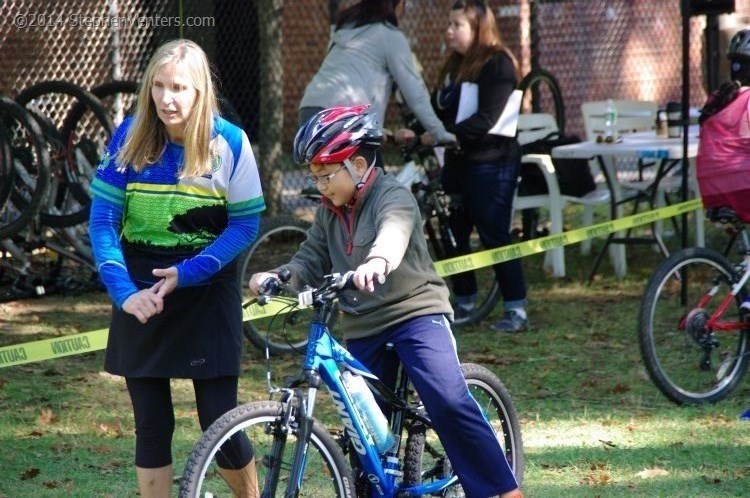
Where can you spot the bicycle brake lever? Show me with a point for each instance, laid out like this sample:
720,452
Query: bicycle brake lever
263,300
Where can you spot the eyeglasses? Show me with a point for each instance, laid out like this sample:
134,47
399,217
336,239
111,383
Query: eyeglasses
323,179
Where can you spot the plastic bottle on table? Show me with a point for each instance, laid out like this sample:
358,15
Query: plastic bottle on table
610,121
369,411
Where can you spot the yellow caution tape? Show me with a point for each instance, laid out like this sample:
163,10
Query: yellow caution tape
46,349
277,305
96,340
491,257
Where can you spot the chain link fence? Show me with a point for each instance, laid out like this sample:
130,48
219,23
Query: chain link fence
265,51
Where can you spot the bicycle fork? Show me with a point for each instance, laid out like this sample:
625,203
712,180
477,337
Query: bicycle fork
304,430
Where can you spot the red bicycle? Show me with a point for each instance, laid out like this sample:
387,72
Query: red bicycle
692,330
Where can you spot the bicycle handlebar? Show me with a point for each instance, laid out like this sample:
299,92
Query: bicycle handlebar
333,285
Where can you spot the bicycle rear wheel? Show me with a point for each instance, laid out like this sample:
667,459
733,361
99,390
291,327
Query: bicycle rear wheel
689,363
326,473
76,146
6,166
425,459
487,288
30,163
279,239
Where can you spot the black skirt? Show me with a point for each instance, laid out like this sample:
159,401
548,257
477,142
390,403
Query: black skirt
197,336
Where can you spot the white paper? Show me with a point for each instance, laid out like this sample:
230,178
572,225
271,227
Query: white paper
507,123
468,101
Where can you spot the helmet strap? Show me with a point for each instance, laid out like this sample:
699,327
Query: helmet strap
360,182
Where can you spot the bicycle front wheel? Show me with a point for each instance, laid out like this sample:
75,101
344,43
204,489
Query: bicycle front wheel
688,361
425,460
325,471
279,239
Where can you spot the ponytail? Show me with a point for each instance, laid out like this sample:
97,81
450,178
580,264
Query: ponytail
719,99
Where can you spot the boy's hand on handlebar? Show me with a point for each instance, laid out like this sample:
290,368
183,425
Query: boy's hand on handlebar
258,279
370,272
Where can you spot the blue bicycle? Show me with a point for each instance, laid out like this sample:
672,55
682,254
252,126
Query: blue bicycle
297,456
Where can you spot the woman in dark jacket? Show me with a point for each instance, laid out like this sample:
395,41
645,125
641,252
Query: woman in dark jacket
484,171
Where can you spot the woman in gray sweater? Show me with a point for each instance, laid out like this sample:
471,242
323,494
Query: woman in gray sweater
367,53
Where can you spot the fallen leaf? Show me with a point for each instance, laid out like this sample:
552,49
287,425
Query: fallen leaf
597,479
29,473
111,430
47,416
618,389
651,473
61,448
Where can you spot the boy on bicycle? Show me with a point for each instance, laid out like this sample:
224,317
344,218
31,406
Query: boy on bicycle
369,222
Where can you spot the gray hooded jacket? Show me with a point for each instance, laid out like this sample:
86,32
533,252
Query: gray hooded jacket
360,68
383,223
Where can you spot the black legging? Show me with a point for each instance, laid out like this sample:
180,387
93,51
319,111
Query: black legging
154,419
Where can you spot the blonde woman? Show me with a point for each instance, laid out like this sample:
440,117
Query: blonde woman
175,200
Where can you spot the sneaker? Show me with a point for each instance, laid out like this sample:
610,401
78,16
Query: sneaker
745,304
745,415
461,313
511,322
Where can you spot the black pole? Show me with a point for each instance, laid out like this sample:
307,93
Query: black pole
712,55
534,46
686,13
333,8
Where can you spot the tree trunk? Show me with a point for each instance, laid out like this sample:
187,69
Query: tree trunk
271,119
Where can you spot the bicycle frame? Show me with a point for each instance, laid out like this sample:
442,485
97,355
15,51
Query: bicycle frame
714,322
322,359
428,194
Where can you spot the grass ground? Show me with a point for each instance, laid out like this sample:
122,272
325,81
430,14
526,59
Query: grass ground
593,424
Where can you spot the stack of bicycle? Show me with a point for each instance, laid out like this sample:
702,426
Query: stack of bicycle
52,136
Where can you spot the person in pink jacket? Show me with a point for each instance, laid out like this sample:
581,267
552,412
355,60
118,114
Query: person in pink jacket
723,162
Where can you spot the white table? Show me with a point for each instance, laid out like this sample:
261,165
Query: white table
641,145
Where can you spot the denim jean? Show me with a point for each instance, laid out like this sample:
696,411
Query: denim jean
487,192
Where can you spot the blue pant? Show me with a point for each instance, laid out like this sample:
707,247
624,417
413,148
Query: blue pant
487,192
427,349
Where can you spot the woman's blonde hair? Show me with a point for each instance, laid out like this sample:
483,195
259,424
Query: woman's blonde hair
147,138
487,42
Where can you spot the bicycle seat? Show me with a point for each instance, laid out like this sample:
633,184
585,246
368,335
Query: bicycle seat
724,215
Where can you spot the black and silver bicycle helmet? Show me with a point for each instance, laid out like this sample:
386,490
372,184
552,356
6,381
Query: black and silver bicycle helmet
739,46
334,135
